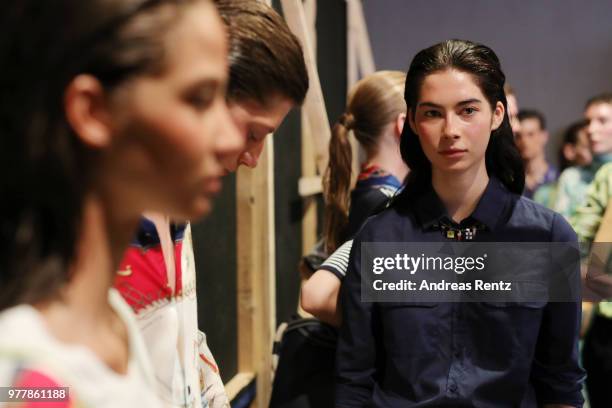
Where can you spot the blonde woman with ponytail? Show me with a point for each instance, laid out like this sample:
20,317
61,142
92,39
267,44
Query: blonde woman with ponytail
375,116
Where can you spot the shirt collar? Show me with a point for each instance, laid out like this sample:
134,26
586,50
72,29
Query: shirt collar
491,210
374,176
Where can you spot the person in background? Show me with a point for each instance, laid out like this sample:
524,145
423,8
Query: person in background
267,78
587,221
375,114
513,108
531,142
573,182
575,150
109,109
575,147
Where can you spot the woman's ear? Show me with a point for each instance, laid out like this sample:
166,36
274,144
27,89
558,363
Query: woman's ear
85,104
400,121
498,116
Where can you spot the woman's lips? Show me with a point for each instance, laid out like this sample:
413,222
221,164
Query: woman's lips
453,153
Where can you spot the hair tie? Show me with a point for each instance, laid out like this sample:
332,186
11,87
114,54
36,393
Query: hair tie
347,120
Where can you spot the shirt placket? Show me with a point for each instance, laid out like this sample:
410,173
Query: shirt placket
456,369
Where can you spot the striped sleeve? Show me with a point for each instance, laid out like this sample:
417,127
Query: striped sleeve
337,263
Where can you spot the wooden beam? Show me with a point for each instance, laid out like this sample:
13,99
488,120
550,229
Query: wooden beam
238,383
314,105
256,271
309,202
360,58
360,63
351,45
364,48
310,13
308,186
308,151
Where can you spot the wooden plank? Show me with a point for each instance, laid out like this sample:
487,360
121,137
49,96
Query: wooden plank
308,152
360,63
256,271
360,58
351,45
309,203
238,383
308,186
314,105
310,13
364,53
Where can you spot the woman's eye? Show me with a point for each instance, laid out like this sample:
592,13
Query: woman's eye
200,101
202,98
469,111
432,114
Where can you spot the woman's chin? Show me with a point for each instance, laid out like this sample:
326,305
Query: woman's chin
456,167
201,209
194,212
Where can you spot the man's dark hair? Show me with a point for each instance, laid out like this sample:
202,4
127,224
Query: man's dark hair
525,114
265,58
601,98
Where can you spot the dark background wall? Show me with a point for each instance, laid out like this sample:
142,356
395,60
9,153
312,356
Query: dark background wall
214,247
555,53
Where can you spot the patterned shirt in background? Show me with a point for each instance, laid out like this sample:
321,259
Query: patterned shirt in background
186,373
550,176
546,195
573,184
588,216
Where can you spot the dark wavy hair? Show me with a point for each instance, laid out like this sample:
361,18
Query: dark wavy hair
46,169
502,157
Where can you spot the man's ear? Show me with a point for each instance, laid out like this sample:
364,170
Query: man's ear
498,116
400,121
87,112
411,121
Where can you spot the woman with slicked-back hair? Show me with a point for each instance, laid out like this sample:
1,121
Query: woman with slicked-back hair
465,184
109,109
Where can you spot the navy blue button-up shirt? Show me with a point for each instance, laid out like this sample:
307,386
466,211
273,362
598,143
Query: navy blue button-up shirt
458,354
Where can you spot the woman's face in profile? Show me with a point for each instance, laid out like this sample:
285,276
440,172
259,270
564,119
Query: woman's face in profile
454,120
174,127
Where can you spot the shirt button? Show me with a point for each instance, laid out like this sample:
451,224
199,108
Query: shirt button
453,388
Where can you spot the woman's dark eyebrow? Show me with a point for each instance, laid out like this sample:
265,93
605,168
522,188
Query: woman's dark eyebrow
205,83
469,101
435,105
